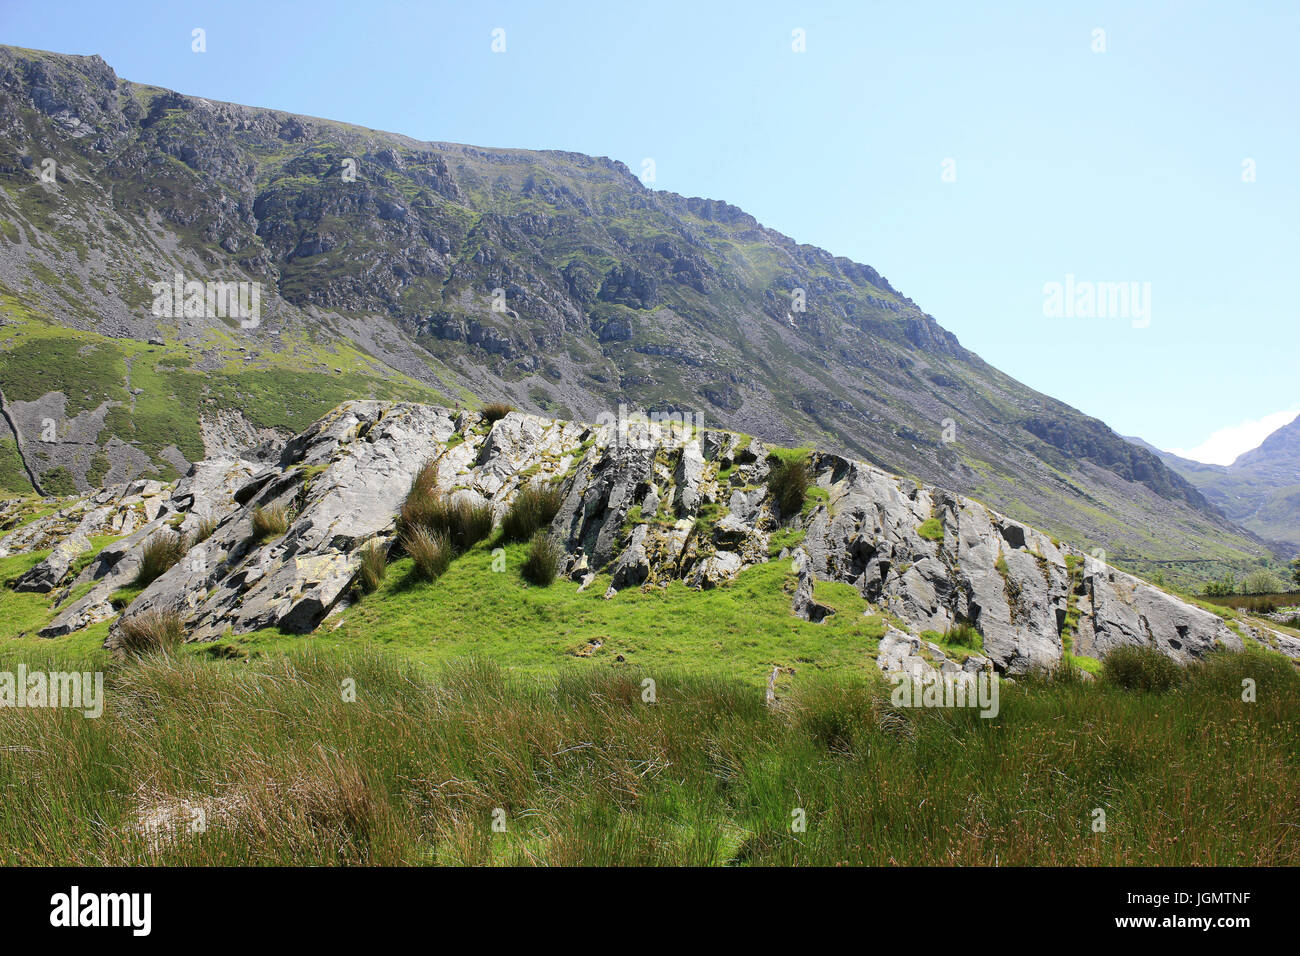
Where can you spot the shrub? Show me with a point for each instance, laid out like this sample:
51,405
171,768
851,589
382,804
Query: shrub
160,554
1141,668
787,479
374,565
543,561
430,550
1262,582
495,411
269,522
151,632
205,529
533,508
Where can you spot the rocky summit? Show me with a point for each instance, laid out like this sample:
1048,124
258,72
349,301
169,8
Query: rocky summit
644,502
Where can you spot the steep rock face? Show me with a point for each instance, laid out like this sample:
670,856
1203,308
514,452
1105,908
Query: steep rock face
555,281
646,504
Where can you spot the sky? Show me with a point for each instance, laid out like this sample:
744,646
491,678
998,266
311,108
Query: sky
1003,168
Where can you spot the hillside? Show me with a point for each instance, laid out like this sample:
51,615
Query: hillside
446,273
712,653
1259,491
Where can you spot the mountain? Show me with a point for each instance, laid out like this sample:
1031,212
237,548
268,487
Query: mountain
1259,491
640,509
395,269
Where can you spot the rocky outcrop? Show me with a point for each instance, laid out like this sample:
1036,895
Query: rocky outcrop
551,279
923,661
645,505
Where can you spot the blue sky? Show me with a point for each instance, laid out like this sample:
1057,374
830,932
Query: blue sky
1117,166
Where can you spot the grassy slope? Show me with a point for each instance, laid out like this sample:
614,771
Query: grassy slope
743,630
286,389
469,698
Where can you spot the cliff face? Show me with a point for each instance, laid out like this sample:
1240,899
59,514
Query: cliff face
643,503
397,269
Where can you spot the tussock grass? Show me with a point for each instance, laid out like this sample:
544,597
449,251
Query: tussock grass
1141,668
151,632
374,565
463,522
532,509
431,552
269,522
787,480
160,554
495,411
205,529
585,771
543,561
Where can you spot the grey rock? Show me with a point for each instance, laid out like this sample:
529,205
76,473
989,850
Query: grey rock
344,478
805,605
52,571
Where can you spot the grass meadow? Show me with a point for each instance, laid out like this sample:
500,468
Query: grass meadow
478,719
333,758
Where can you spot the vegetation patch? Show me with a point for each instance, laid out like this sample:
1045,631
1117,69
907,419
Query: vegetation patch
788,479
160,554
269,522
334,782
431,551
495,411
533,508
542,564
1141,668
931,529
151,632
373,567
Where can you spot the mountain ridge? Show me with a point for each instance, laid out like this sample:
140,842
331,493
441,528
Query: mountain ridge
386,286
1260,490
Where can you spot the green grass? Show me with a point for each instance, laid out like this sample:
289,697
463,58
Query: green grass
288,388
931,529
13,477
788,480
743,629
320,758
